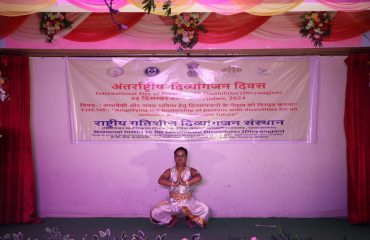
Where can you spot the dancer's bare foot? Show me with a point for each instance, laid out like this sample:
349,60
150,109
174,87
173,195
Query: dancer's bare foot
173,221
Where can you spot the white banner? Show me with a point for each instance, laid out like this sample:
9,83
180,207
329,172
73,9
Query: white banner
181,99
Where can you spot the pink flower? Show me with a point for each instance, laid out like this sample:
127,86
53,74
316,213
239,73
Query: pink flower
254,238
186,39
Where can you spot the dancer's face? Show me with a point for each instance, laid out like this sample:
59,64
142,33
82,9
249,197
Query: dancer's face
180,158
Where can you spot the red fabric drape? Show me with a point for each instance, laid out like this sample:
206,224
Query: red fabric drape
349,24
99,26
17,183
357,128
10,24
221,28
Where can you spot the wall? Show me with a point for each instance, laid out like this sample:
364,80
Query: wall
241,179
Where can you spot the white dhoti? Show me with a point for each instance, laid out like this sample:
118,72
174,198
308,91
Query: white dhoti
180,202
197,211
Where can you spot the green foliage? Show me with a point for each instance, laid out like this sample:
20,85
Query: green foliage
167,7
149,6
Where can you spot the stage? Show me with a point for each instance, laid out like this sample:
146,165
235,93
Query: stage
217,229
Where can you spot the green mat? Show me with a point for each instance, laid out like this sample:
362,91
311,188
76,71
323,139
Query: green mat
217,229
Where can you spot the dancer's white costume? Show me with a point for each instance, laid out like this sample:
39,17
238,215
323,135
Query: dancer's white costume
180,202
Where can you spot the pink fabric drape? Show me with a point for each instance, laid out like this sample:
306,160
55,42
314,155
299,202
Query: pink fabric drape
223,28
17,182
99,26
98,5
346,5
267,7
225,7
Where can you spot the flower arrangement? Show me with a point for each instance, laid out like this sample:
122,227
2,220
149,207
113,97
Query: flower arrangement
51,23
186,29
316,25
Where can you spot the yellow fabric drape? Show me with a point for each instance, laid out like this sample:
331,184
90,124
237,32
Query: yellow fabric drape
14,8
267,7
177,6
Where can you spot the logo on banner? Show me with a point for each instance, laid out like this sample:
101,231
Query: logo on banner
152,71
262,71
192,69
115,71
231,69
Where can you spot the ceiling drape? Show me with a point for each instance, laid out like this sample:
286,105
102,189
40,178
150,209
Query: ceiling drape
24,7
92,27
225,7
98,5
349,24
9,24
99,26
346,5
221,28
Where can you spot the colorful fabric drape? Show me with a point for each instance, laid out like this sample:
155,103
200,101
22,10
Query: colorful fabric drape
221,28
24,7
267,7
177,6
17,182
224,7
346,5
282,27
30,29
98,5
227,28
151,27
349,24
99,26
357,129
9,24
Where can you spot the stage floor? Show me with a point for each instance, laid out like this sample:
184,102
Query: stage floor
217,229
